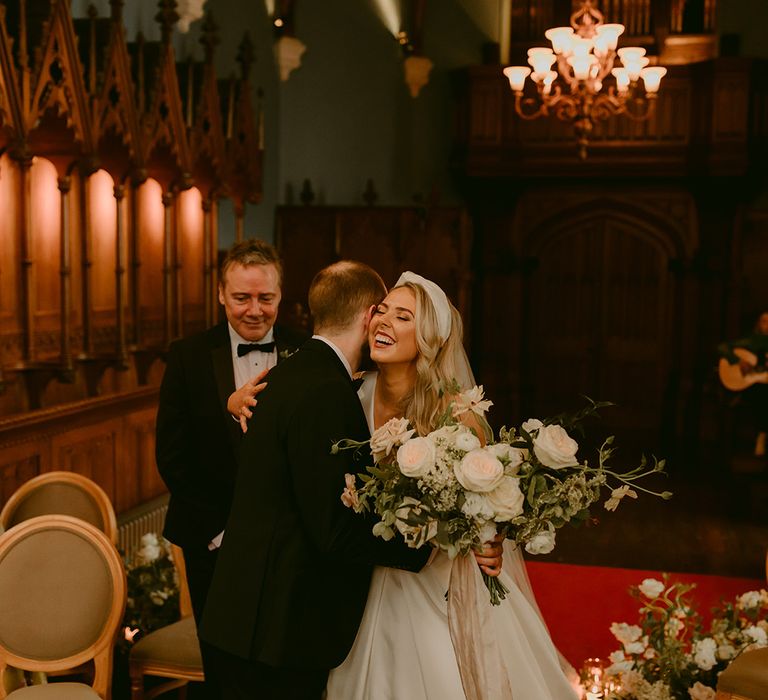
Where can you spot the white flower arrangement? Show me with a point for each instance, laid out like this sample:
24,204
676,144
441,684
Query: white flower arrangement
670,655
449,489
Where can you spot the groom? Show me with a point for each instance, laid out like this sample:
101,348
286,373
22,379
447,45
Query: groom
292,577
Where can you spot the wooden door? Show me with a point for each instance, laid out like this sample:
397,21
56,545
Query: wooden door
600,308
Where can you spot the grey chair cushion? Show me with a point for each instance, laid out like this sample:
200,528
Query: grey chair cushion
747,675
55,691
174,645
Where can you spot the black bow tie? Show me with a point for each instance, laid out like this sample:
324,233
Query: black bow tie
245,348
357,383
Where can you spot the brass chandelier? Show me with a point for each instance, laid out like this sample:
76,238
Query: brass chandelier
577,92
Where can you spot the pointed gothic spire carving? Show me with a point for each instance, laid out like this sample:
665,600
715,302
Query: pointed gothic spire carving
167,17
209,36
245,56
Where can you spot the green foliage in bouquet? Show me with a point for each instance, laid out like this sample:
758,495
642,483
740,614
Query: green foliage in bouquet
153,589
669,655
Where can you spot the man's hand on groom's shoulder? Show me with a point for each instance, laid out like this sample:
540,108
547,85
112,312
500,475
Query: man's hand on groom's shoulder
241,401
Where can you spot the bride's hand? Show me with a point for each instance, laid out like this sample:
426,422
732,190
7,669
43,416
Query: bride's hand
489,558
240,402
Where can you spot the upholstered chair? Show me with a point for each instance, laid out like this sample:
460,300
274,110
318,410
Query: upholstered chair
172,652
65,493
746,678
62,598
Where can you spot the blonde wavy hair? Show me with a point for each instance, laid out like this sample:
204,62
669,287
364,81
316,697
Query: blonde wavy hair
439,364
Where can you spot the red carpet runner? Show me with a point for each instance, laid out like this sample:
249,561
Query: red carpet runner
579,603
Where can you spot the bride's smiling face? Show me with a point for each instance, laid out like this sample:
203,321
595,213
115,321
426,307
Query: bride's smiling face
392,331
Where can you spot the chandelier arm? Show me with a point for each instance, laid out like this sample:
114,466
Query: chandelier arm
566,74
646,108
606,66
606,106
521,104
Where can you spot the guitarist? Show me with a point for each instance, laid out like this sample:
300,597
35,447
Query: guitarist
756,396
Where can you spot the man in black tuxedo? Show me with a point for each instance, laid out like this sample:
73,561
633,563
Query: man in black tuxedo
196,437
293,573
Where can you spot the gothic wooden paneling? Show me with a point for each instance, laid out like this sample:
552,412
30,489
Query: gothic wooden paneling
110,440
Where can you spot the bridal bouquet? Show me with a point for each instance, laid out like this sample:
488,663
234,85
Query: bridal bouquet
449,489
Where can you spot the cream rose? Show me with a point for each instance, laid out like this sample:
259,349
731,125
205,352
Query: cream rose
416,457
531,424
651,588
541,543
554,447
480,470
393,433
509,455
506,499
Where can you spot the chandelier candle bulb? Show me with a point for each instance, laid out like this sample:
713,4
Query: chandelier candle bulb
609,34
622,79
542,62
516,76
635,66
652,78
561,38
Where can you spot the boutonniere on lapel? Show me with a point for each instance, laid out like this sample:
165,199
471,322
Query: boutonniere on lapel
285,354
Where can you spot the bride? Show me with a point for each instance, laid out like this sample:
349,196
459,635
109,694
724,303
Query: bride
406,647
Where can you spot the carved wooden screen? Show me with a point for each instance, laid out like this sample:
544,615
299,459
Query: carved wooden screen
601,307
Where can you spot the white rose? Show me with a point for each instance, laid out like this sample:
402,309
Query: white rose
651,588
394,432
506,499
508,455
151,549
416,457
617,656
726,652
757,635
554,447
704,653
479,470
751,599
625,633
635,648
531,424
699,691
541,543
620,667
466,441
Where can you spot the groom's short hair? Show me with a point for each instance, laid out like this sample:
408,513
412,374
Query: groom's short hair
339,293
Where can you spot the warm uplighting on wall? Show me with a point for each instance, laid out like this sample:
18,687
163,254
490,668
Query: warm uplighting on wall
588,86
102,234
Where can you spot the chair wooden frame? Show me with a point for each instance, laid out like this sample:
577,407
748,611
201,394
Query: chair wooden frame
89,487
101,650
178,678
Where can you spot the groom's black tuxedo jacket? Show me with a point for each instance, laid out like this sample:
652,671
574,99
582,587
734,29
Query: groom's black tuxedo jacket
196,437
293,572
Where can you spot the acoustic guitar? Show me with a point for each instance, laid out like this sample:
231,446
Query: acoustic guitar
734,379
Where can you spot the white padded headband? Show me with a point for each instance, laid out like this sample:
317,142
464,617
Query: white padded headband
437,296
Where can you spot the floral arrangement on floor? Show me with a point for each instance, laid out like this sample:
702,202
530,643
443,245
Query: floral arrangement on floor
669,655
153,589
450,489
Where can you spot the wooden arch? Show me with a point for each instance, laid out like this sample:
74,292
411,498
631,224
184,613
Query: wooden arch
10,113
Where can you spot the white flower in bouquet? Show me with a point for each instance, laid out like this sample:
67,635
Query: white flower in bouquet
699,691
616,495
487,531
554,448
506,500
479,470
625,633
510,457
151,548
476,506
704,651
393,433
651,587
471,401
674,626
542,542
636,647
749,600
416,457
531,424
466,441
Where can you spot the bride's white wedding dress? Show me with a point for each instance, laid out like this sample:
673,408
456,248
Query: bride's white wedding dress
403,649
